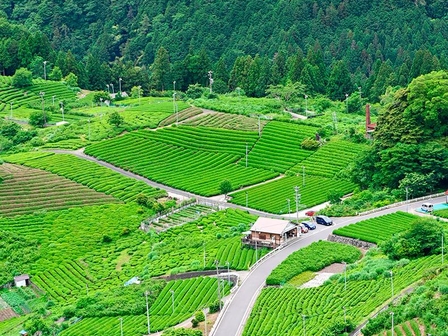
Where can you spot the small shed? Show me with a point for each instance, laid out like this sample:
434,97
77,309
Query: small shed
23,333
22,280
270,232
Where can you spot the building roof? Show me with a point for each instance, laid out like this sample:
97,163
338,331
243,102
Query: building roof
22,277
271,225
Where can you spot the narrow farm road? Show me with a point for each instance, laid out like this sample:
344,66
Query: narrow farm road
236,313
173,192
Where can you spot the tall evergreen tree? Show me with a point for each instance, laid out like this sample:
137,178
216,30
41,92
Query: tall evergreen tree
161,70
339,81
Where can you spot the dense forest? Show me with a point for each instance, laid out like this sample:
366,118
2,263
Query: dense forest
333,47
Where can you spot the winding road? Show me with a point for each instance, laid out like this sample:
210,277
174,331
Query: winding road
234,316
236,312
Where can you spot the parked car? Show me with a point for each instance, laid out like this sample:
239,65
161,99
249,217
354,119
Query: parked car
324,220
303,228
310,225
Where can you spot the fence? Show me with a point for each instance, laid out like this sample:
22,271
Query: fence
401,203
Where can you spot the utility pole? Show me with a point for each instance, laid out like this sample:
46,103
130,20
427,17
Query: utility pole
407,196
45,70
108,88
42,94
256,246
217,278
306,105
10,117
112,86
247,200
210,74
392,315
121,326
53,100
392,283
204,253
296,189
346,102
62,109
139,93
228,271
335,122
172,300
119,84
147,313
345,275
443,249
303,324
205,323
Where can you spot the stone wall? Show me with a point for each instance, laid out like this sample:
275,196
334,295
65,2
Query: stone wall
350,241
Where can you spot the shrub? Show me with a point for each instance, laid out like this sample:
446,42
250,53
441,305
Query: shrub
22,78
215,307
39,118
115,119
194,91
199,316
106,239
310,144
194,323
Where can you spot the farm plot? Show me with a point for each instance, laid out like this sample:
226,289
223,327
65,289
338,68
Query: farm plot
280,146
330,158
11,327
26,190
378,229
62,236
181,217
92,326
278,311
193,159
324,254
89,174
228,121
189,296
181,116
273,196
214,237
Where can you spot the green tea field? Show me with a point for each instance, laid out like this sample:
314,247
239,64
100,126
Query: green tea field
26,190
87,173
209,153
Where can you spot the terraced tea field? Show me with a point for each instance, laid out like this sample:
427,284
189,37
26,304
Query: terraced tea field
87,173
408,328
205,156
273,196
278,311
329,159
227,121
181,115
378,229
280,146
26,190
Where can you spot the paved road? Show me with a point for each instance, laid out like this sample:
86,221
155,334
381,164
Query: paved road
238,310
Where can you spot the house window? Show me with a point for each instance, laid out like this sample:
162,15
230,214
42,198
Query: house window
262,236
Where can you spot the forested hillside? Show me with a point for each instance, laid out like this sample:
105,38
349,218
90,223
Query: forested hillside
321,43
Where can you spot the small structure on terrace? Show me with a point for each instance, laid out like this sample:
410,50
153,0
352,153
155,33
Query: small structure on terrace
22,280
270,232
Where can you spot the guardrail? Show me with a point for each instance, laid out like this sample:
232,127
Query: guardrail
401,203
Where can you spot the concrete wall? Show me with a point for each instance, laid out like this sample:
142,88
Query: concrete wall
350,241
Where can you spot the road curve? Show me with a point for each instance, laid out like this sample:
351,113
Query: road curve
236,313
171,191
